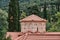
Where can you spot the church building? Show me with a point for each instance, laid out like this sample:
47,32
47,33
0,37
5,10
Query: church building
33,27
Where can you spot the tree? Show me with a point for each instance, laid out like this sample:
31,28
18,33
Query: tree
23,15
44,11
3,24
58,5
58,16
35,9
48,26
56,26
14,15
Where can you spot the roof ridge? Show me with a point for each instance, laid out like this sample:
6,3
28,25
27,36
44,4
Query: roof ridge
33,17
23,37
19,37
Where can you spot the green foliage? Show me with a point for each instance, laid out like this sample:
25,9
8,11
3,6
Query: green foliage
48,26
58,15
49,9
45,11
23,15
34,10
3,24
56,26
58,5
14,12
43,8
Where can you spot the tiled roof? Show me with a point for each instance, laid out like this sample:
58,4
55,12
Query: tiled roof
33,18
23,37
39,36
13,34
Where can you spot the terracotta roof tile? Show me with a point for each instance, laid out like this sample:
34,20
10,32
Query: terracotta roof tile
45,36
23,37
33,18
13,34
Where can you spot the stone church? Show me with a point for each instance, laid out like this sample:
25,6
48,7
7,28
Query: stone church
33,28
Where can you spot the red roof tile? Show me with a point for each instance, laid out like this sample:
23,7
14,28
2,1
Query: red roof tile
33,18
44,36
13,34
23,37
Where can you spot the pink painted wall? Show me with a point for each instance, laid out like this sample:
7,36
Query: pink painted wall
33,26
